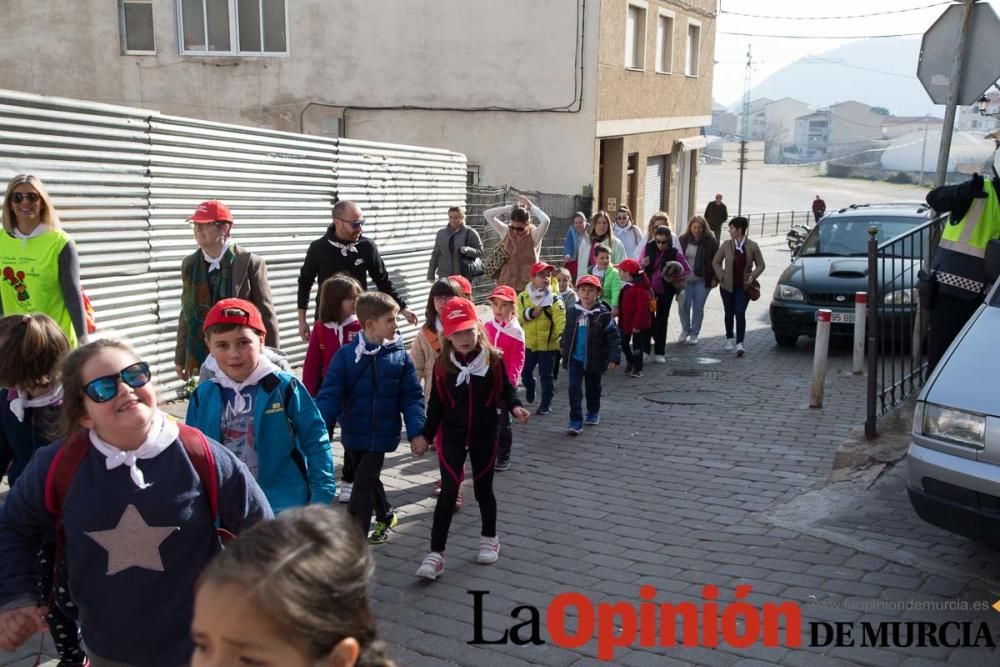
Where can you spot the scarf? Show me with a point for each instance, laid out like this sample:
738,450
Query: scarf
361,349
511,328
200,291
599,272
215,263
477,366
162,434
438,327
540,297
588,313
344,247
37,231
51,397
338,327
264,367
739,246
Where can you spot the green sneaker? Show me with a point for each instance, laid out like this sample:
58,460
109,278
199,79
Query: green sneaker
380,534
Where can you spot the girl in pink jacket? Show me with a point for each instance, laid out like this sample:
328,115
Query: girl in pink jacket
507,336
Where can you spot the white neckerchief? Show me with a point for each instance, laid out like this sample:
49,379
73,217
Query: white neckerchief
478,366
362,347
162,434
344,247
585,312
739,246
511,328
338,327
264,366
438,327
22,401
215,263
599,272
540,297
37,231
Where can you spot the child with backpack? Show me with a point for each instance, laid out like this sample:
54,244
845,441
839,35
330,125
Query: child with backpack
371,382
294,589
30,406
635,319
471,387
542,315
507,337
263,415
139,504
590,346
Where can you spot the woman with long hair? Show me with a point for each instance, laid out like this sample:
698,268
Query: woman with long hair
599,233
699,245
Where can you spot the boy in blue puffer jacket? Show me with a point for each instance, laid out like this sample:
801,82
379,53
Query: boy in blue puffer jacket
369,383
262,414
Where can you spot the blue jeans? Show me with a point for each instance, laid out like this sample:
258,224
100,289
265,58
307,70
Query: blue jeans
735,303
578,380
545,362
693,306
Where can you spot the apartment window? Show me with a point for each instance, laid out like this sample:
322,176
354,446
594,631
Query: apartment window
635,37
233,27
693,60
135,20
472,175
664,42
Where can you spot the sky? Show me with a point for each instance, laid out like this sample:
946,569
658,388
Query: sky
771,54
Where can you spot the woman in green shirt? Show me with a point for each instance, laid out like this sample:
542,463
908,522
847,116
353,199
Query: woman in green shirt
39,265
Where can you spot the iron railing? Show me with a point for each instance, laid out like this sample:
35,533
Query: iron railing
775,223
897,324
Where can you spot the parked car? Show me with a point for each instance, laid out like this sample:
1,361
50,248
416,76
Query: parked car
953,464
832,266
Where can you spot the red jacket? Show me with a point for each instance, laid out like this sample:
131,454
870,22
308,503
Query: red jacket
633,306
323,344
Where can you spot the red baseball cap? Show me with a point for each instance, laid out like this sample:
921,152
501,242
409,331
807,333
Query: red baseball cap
235,311
538,267
593,281
505,293
211,211
629,265
458,315
463,283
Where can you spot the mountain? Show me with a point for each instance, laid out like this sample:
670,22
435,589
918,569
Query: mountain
877,72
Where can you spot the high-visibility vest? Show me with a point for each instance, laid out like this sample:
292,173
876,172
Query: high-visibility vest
959,260
29,277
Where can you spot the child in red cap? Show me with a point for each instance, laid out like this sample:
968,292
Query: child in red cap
507,336
464,286
542,314
635,321
470,384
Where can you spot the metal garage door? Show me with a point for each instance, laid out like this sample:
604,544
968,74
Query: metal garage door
655,172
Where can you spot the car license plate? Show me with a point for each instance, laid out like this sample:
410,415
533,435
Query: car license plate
839,318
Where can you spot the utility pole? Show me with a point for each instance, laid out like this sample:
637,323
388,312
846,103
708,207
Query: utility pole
954,85
923,150
744,128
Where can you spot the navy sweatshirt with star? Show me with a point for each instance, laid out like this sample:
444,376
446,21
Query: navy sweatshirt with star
133,555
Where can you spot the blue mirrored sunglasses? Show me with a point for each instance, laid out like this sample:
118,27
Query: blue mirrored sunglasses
103,389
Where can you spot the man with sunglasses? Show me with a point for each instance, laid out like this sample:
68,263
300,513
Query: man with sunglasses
343,249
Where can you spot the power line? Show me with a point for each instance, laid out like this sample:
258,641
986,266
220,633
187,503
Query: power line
834,18
810,60
754,34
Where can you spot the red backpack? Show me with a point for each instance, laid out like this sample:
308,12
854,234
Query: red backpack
69,457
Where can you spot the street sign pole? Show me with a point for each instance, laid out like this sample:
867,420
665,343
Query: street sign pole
954,85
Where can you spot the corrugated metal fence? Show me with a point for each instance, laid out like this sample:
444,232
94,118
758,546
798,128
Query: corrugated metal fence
124,180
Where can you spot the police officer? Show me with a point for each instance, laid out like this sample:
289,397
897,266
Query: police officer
958,277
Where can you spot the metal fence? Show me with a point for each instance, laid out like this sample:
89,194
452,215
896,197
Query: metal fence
560,209
775,223
897,324
124,180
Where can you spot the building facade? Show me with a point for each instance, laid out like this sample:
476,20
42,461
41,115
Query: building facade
844,130
566,97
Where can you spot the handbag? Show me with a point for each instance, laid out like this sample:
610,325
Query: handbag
471,267
753,290
496,258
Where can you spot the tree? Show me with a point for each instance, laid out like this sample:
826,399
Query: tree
881,111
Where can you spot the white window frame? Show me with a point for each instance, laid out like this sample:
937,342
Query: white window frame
662,13
643,7
122,29
234,34
688,70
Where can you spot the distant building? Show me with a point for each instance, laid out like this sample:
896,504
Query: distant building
841,130
894,127
773,122
724,123
970,120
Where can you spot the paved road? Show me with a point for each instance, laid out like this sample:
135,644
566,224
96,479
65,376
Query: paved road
710,470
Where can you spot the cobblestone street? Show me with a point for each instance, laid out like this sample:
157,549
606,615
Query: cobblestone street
709,470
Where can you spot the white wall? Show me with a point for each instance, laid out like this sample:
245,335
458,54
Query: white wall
442,53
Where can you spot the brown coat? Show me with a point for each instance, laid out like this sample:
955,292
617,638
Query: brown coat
754,265
522,254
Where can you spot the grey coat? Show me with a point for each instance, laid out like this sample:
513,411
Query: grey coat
447,262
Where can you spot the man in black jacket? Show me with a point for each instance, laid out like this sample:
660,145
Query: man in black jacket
344,250
716,214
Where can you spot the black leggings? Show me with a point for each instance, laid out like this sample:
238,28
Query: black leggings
62,626
451,460
663,303
368,493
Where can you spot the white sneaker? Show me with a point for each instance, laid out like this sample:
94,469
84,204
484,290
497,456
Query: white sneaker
660,359
345,492
739,350
729,345
489,550
693,340
432,566
683,337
